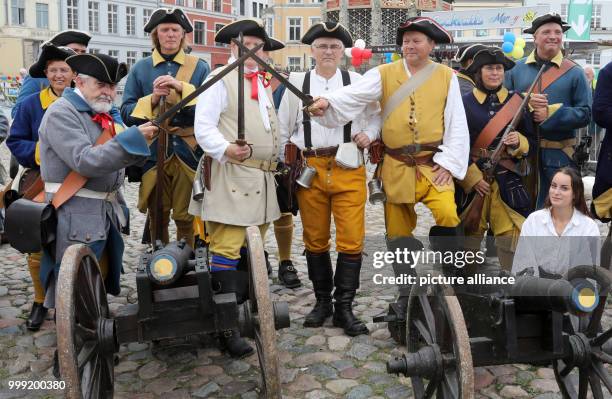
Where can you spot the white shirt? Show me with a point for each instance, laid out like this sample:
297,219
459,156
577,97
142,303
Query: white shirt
349,102
540,246
321,136
211,103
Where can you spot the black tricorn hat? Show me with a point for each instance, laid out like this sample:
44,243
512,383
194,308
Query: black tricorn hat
328,29
425,25
488,56
165,16
100,66
547,18
467,52
66,37
248,27
49,53
273,44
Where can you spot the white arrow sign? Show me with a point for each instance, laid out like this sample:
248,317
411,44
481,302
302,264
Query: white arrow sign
581,1
581,27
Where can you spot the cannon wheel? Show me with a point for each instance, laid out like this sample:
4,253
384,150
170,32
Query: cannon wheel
587,342
86,339
436,319
263,315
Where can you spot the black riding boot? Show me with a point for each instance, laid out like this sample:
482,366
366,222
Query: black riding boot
37,317
227,282
321,274
346,280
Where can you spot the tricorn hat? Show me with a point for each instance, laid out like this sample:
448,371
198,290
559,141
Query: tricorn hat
328,29
248,27
66,37
100,66
467,52
488,56
165,16
49,53
425,25
546,18
273,44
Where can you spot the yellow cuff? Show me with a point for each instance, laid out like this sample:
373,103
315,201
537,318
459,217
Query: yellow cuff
174,97
144,109
37,153
522,149
473,176
603,204
188,88
551,110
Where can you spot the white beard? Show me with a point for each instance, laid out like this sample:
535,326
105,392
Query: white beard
100,107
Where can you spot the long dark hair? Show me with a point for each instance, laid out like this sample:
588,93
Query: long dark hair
579,202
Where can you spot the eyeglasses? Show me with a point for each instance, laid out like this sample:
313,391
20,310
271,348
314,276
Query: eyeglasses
325,47
63,71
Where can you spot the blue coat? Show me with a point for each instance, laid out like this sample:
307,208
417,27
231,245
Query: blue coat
140,84
602,114
29,86
569,96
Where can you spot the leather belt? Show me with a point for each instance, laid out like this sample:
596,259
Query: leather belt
413,149
477,153
412,160
557,145
320,152
265,165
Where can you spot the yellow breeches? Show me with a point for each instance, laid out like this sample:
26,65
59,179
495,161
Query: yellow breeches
226,239
178,182
34,267
505,223
338,192
400,219
283,231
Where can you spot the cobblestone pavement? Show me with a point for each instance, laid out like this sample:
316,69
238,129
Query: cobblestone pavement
316,362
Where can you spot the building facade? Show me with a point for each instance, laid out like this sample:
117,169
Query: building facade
24,26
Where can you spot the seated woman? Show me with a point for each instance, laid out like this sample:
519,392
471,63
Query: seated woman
560,236
23,144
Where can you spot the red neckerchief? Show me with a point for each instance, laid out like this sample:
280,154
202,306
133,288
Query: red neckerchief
106,121
254,76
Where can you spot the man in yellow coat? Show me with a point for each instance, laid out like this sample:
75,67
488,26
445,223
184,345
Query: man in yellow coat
424,132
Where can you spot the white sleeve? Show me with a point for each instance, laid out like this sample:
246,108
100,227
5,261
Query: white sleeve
524,256
369,122
347,103
208,110
456,140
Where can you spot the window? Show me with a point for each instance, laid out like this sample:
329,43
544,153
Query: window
255,10
93,8
113,53
295,29
130,21
72,12
312,63
42,16
146,54
94,51
294,63
112,18
261,8
218,27
500,32
270,26
458,33
218,6
314,20
563,12
199,32
131,58
146,16
596,17
295,1
180,2
595,58
242,7
18,12
199,4
482,32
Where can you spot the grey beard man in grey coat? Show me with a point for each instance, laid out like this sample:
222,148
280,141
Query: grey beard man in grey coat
68,134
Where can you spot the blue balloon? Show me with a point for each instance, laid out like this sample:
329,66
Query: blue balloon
507,47
509,37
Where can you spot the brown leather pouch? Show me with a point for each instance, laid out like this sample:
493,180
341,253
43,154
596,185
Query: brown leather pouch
291,154
376,152
206,170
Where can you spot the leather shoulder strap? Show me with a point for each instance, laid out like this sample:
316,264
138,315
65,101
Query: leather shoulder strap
186,70
406,89
553,73
346,80
306,115
498,122
74,181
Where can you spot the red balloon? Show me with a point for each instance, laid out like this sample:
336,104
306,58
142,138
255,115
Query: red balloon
356,61
356,52
367,54
9,78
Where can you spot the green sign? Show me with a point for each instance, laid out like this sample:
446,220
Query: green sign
579,17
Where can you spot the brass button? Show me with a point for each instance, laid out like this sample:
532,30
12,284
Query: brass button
87,237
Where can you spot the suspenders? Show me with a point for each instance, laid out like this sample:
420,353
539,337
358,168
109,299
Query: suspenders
346,80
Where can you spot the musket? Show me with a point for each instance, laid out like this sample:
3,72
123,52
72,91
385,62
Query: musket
241,141
162,138
472,219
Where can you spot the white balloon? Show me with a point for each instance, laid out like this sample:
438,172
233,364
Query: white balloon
360,43
347,52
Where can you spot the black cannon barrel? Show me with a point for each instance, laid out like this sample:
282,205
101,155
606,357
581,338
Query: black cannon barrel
169,263
535,293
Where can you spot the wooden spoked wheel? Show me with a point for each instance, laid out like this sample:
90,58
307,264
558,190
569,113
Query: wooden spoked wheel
86,339
585,367
435,322
262,312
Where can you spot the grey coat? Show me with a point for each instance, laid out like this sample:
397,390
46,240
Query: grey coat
67,135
